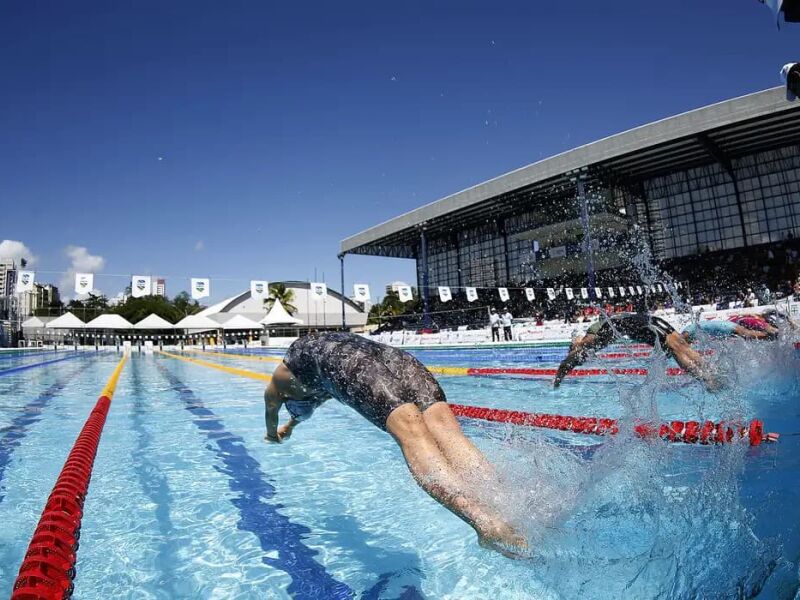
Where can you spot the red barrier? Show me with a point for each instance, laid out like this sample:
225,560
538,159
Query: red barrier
574,373
687,432
48,568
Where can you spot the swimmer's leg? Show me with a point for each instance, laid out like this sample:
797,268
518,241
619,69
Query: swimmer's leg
750,334
691,360
440,480
457,448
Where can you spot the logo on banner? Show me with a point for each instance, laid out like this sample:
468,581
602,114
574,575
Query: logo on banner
361,292
25,281
639,289
200,288
404,293
530,294
472,294
621,291
598,293
611,293
630,289
551,293
84,282
318,291
503,294
140,286
259,289
444,293
568,292
584,293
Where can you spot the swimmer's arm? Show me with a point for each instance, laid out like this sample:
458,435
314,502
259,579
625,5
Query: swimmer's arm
575,357
272,404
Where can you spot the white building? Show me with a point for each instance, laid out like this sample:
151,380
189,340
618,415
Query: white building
315,314
8,274
159,287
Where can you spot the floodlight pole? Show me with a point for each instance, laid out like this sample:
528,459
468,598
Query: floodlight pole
341,271
587,235
423,251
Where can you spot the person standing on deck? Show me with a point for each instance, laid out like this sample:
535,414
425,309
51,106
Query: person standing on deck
506,320
494,323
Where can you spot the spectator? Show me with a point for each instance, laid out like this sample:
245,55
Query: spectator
494,323
507,317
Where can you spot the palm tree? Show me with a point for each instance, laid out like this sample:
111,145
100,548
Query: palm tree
279,292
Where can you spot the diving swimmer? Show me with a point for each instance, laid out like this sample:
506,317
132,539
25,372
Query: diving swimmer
396,393
718,328
640,328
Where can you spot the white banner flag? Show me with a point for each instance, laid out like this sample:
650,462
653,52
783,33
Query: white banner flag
679,285
404,293
652,289
659,288
201,288
611,293
598,293
472,294
568,292
621,291
584,293
530,294
444,293
25,281
639,289
503,294
361,292
259,289
631,290
551,293
318,291
84,283
141,285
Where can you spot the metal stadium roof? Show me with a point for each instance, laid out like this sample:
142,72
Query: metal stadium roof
714,133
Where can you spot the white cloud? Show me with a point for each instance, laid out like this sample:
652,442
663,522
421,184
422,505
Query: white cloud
199,245
16,251
80,262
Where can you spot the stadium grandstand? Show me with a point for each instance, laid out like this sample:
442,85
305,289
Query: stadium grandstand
713,194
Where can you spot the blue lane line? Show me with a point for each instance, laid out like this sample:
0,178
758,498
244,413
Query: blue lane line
34,365
275,532
12,435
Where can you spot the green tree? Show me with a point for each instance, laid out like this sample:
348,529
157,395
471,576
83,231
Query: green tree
93,306
136,309
279,291
185,305
389,307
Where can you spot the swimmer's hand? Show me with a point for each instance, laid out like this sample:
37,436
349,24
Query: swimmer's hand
556,382
285,431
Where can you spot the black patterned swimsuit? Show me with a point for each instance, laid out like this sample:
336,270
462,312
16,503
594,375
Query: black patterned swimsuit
372,378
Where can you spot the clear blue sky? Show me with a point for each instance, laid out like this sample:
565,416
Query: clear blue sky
283,129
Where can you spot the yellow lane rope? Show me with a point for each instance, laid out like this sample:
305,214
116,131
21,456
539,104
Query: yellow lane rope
237,356
211,365
437,370
111,384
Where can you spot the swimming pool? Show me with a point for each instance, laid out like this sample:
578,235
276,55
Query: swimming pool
187,501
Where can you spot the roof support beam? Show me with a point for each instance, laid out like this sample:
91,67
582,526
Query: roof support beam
719,155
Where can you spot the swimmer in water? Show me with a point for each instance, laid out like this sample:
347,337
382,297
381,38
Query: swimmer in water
640,328
395,392
717,328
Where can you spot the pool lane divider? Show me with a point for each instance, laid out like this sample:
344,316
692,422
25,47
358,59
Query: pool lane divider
544,372
48,568
217,366
272,359
38,364
688,432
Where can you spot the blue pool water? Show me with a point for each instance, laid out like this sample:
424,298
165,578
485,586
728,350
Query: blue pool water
187,501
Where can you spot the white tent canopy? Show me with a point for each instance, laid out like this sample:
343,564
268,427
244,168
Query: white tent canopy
33,323
66,321
240,322
197,322
153,321
109,322
278,316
